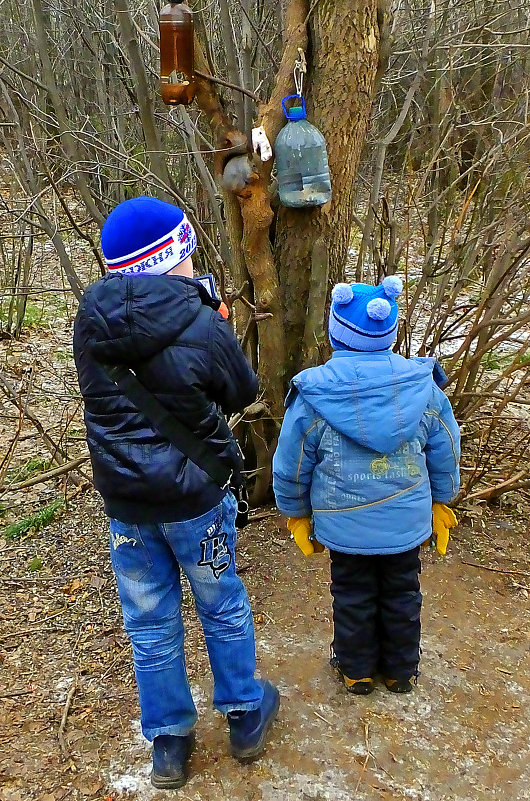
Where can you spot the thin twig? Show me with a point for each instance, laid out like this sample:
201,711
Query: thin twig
248,330
116,659
24,75
322,718
261,516
237,293
314,4
30,631
367,757
58,471
62,725
55,450
15,694
504,486
18,579
497,569
229,85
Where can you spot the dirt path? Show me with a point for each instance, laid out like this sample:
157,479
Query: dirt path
463,734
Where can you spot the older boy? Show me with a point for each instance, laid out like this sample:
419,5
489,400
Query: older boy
166,514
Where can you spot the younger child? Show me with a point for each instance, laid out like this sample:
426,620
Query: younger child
367,459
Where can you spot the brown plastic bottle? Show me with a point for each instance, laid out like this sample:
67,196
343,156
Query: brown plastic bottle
176,41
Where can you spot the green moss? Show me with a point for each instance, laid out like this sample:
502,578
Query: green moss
28,470
63,355
35,564
34,316
496,361
34,522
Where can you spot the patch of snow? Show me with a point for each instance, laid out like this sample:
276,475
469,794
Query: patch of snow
130,779
136,781
331,785
62,687
199,696
139,739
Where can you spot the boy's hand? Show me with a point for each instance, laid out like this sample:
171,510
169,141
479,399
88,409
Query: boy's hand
443,518
300,528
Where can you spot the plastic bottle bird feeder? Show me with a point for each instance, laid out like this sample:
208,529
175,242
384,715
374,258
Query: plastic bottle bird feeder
301,160
176,54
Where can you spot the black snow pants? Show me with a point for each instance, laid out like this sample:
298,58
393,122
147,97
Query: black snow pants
376,613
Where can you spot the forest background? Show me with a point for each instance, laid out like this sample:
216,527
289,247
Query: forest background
425,109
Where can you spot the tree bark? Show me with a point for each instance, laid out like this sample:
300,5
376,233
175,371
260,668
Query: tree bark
341,80
343,60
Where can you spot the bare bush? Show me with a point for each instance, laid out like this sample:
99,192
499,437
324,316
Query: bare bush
442,193
447,171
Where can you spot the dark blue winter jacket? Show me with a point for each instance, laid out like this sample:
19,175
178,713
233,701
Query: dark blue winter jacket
165,329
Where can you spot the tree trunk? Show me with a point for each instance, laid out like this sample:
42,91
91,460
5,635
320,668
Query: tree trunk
341,79
310,245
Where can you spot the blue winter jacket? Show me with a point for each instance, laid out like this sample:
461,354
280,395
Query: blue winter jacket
368,442
167,330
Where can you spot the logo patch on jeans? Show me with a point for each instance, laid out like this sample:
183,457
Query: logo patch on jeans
214,552
120,539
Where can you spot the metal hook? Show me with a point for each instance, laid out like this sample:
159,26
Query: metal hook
300,69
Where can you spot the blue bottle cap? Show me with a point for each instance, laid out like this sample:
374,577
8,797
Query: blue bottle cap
295,112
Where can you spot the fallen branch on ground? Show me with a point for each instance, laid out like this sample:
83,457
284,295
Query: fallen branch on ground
57,471
64,718
498,489
497,569
15,694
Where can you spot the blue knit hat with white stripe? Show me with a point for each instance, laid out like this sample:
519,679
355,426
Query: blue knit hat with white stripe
363,317
146,236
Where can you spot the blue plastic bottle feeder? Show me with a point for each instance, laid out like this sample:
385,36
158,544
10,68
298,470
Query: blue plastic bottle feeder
301,159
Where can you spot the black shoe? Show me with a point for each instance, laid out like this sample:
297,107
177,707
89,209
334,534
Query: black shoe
355,686
170,757
248,730
399,685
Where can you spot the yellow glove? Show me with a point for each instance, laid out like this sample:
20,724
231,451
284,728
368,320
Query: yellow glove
443,518
300,528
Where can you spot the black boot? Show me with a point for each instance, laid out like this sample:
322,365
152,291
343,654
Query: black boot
399,685
170,757
355,686
248,730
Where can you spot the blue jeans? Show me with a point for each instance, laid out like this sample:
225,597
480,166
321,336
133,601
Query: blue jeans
147,559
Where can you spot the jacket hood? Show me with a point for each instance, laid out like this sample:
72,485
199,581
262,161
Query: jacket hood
375,399
132,318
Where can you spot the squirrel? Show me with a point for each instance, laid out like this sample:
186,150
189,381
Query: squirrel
238,173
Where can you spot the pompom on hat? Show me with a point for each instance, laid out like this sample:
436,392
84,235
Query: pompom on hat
146,236
363,317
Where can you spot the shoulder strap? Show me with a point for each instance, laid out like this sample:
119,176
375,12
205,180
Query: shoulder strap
169,426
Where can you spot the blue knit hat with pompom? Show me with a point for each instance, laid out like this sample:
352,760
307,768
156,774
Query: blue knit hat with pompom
364,317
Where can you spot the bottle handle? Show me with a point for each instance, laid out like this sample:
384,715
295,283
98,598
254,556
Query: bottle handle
291,97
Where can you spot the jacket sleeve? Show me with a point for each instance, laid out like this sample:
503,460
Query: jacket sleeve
442,449
295,458
233,382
